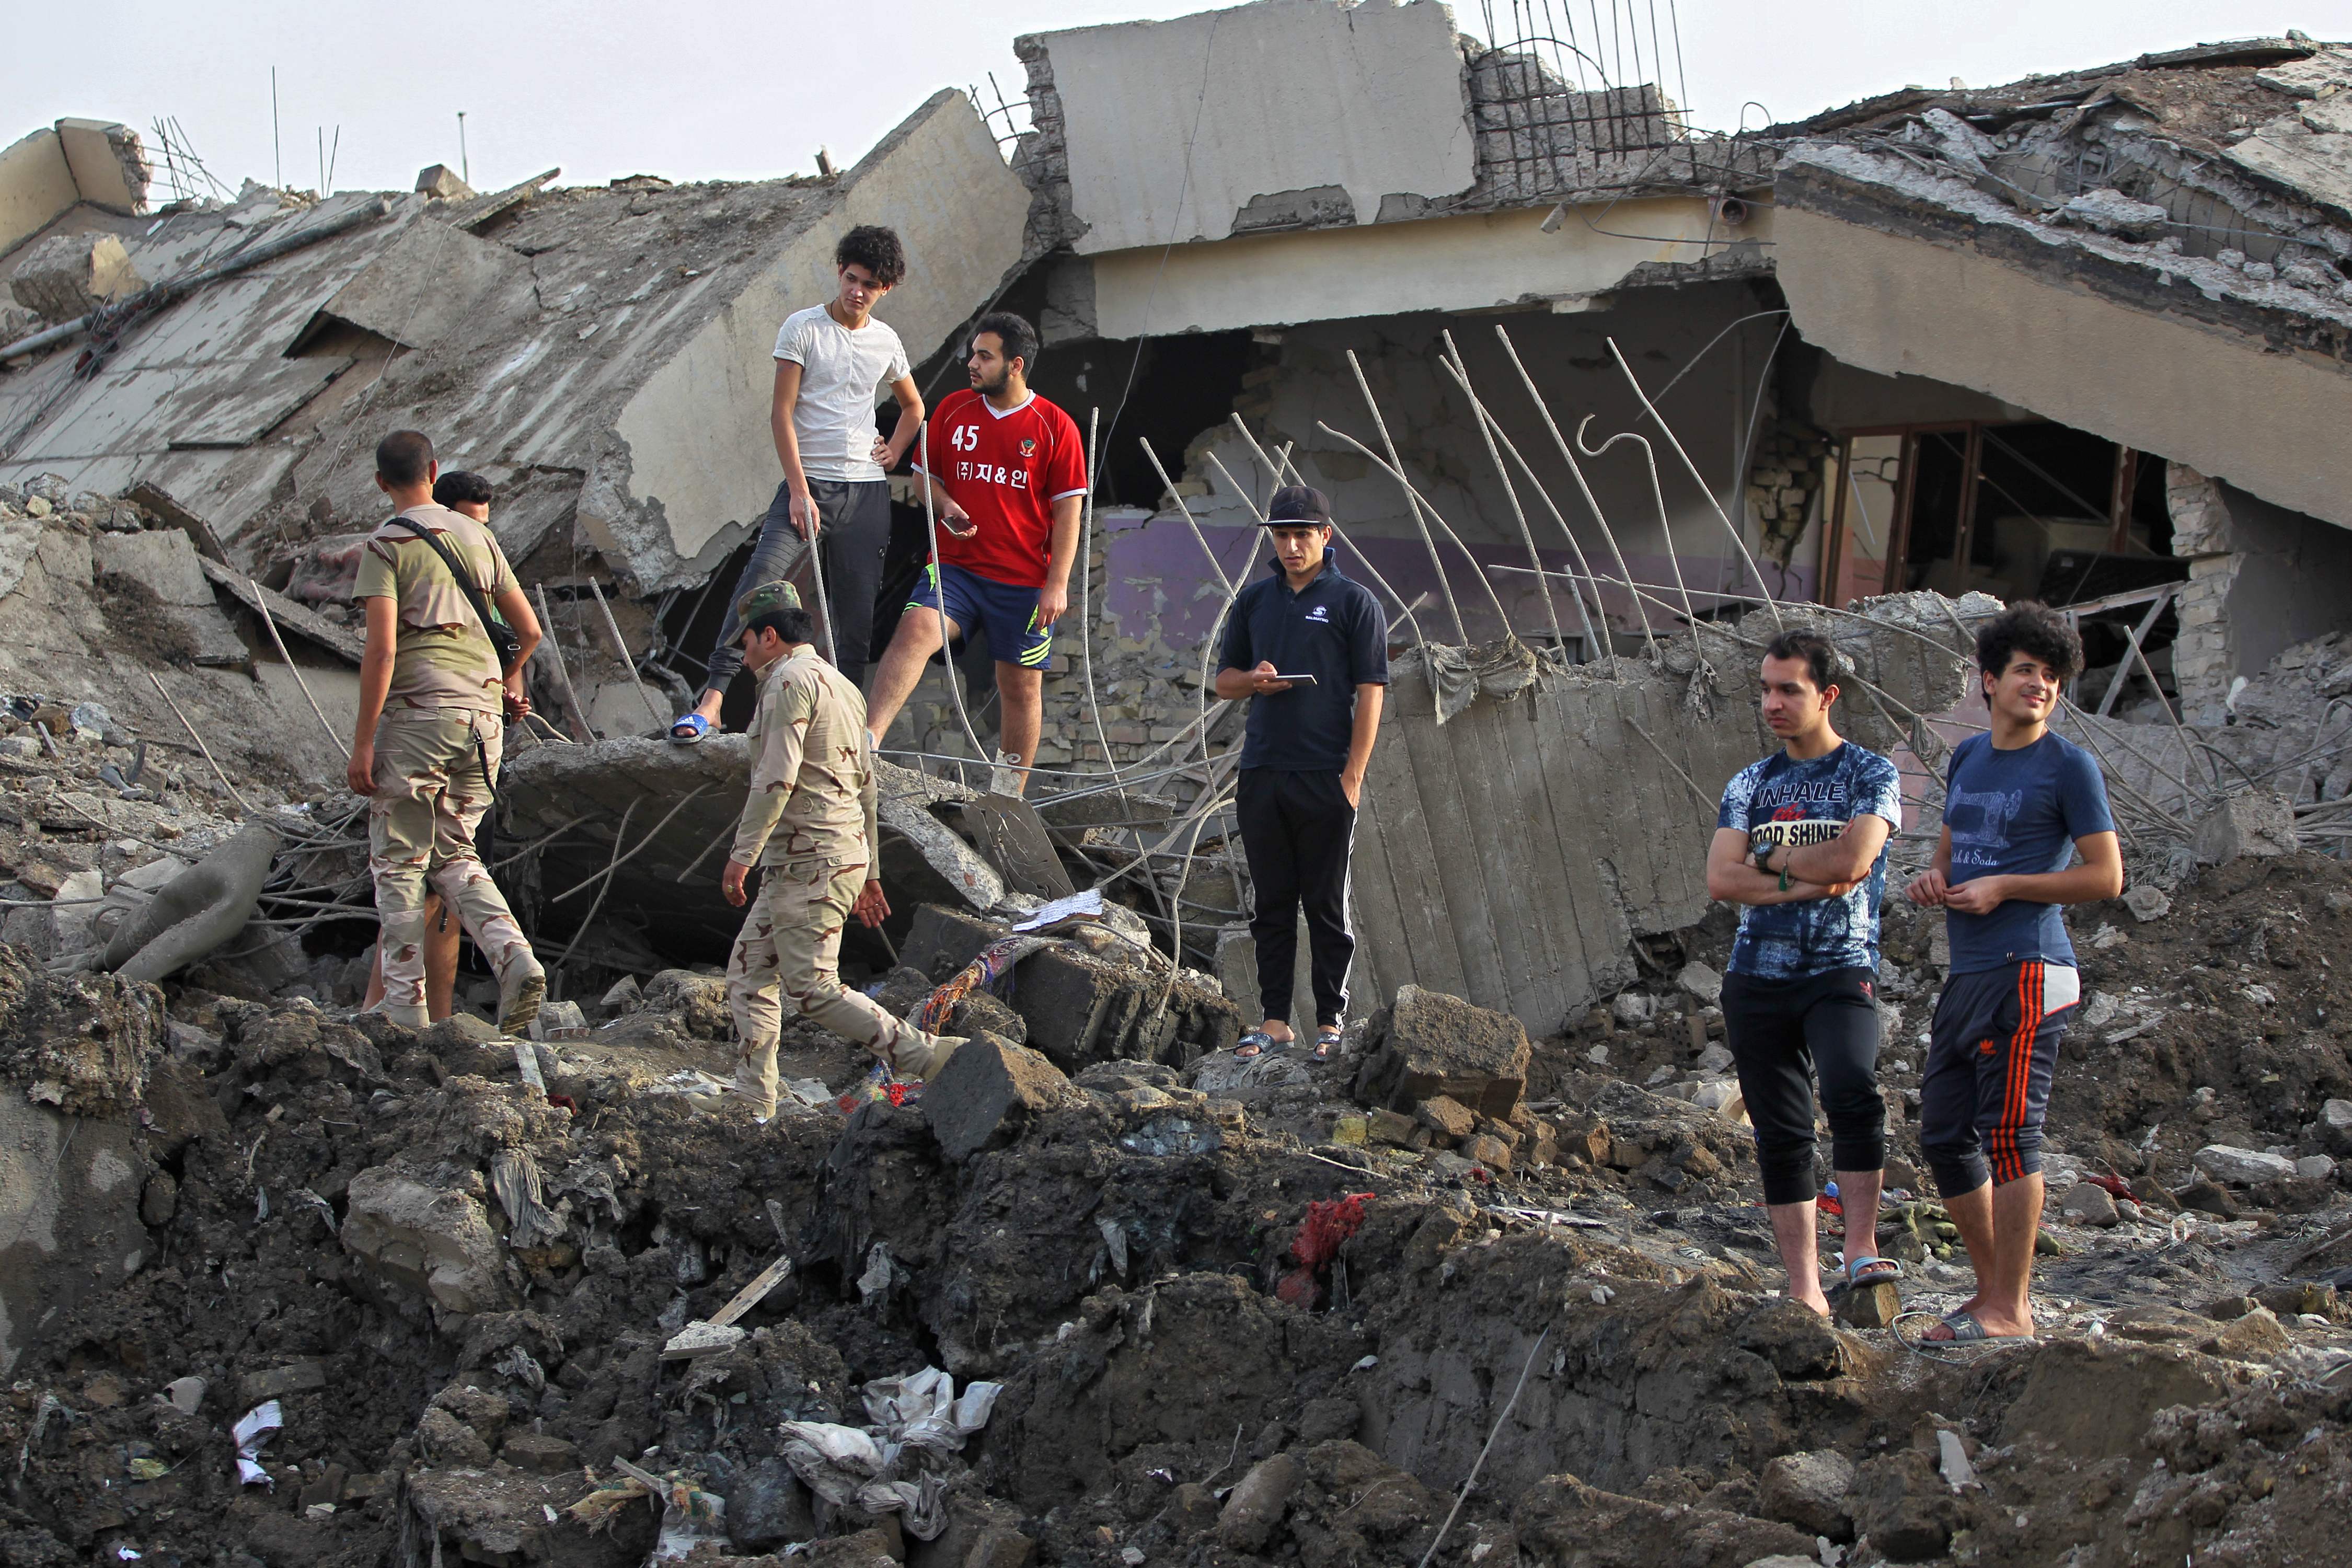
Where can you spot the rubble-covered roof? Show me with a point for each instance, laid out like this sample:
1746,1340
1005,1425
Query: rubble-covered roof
600,353
2237,144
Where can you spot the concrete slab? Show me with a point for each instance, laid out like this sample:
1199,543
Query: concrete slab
1223,132
2218,378
1510,856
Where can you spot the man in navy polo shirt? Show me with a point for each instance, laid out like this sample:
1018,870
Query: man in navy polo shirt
1308,740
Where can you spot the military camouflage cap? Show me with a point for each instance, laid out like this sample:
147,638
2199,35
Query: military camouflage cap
766,600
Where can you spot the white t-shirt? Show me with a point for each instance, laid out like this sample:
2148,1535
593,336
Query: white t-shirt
842,372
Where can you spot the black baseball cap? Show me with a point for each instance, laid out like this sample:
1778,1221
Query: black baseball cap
1294,504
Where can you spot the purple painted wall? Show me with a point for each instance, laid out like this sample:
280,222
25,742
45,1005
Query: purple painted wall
1161,586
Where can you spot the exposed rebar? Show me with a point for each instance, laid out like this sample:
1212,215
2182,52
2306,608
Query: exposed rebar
1452,362
270,622
1675,442
1412,499
1584,487
627,662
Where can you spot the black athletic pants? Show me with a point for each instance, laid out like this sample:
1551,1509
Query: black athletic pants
1782,1032
1992,1051
853,530
1296,829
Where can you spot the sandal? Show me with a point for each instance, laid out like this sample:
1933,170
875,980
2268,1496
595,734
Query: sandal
1327,1043
1969,1331
688,729
1870,1270
1258,1042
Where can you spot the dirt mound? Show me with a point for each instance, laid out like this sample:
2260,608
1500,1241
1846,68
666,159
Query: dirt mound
1236,1316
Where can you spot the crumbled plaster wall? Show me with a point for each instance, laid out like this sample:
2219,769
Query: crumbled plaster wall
2260,578
1784,483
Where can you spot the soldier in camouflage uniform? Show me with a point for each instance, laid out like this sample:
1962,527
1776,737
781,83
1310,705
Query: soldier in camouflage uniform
810,824
432,701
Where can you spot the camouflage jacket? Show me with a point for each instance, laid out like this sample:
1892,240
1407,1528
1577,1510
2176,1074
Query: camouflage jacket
813,791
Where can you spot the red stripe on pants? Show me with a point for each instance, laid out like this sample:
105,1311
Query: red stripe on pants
2008,1166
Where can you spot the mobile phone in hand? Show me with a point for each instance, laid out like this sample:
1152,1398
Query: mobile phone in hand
1297,679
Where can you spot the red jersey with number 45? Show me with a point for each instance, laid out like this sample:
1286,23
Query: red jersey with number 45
1006,470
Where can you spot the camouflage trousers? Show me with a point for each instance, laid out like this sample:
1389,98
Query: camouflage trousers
791,942
429,796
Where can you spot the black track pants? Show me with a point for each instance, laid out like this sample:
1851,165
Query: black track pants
1296,829
1781,1033
854,532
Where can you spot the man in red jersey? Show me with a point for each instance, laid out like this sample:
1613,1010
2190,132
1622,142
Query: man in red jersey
1008,474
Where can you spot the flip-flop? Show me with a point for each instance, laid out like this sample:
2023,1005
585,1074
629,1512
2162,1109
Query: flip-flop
1327,1041
1967,1331
1871,1271
695,727
1258,1042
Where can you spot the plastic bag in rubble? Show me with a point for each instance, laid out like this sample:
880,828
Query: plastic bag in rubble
923,1411
921,1504
252,1434
835,1461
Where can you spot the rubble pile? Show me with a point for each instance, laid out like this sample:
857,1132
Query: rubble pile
1103,1293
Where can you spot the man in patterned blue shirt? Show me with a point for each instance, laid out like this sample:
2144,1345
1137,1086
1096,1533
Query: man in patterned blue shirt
1800,840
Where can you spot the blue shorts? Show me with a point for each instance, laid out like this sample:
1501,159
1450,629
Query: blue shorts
1007,614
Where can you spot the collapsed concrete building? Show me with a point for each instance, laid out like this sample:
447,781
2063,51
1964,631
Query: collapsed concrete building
1575,373
1603,399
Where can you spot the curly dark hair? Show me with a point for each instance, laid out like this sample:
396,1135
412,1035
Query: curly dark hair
462,485
1820,658
2030,628
874,249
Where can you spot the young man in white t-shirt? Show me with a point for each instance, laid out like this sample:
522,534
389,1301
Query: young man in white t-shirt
832,362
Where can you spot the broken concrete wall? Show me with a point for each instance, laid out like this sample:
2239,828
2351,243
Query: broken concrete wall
1511,854
44,175
1267,113
1901,272
602,353
37,184
2260,578
108,162
1469,262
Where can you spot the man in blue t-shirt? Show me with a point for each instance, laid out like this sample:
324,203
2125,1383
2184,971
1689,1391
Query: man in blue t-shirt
2018,804
1800,840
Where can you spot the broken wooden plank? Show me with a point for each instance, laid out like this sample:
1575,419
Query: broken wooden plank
754,1293
267,602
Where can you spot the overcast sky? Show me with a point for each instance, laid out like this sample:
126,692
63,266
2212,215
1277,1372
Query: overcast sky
706,88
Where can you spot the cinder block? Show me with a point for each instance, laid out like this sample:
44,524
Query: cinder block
1429,1044
987,1092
